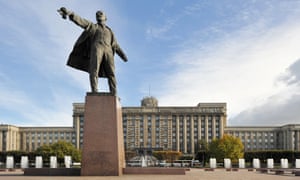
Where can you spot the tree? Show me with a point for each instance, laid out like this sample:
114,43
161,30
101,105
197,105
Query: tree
59,149
227,147
170,156
129,154
202,145
45,151
203,151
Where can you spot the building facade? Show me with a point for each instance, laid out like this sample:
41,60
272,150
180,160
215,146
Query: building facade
168,128
285,137
33,137
177,128
9,138
172,128
30,138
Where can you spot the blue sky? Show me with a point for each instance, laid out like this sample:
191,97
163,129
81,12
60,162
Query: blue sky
244,53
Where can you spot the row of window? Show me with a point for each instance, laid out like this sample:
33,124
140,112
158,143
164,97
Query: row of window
140,118
252,134
258,140
49,141
260,146
46,134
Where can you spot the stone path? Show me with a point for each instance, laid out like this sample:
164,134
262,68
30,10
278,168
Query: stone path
193,174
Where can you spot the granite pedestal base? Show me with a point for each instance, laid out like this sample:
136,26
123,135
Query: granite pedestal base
52,172
103,147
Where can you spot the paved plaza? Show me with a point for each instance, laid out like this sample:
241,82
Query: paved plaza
193,174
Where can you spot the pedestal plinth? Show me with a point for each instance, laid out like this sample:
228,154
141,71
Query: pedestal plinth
103,147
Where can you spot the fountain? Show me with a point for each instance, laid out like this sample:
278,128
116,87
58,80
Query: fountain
270,163
144,161
241,163
227,163
297,164
9,162
24,162
53,162
38,162
212,163
256,163
68,161
284,163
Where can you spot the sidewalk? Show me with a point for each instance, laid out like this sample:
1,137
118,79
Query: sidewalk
193,174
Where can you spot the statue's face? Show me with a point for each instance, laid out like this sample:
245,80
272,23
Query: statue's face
100,16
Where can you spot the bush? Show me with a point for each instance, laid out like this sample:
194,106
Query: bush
170,156
274,154
227,147
59,149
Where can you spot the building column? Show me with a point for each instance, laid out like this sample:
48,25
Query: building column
296,140
177,134
184,135
145,130
206,128
1,140
292,140
8,139
213,128
221,126
199,127
77,131
169,125
137,131
192,135
283,140
153,129
23,141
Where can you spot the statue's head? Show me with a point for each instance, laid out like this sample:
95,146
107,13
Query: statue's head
100,16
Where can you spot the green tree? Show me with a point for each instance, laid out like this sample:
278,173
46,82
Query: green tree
45,151
59,149
203,145
170,156
202,154
227,147
129,154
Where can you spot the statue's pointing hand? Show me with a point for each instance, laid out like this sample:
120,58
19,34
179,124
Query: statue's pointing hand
64,12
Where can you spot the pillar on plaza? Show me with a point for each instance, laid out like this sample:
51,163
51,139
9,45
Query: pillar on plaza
103,149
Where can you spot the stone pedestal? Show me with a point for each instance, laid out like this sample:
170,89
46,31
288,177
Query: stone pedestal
103,147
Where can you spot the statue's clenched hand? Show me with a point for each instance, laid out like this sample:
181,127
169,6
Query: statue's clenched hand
64,12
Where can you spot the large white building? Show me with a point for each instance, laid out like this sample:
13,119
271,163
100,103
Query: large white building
285,137
178,128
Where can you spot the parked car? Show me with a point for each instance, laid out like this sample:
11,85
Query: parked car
162,164
196,163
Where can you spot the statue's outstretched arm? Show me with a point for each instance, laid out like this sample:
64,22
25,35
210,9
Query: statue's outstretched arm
75,18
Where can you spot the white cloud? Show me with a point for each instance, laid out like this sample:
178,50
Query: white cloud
281,108
240,69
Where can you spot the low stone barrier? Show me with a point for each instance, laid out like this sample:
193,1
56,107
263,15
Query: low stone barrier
263,170
150,170
52,172
297,173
